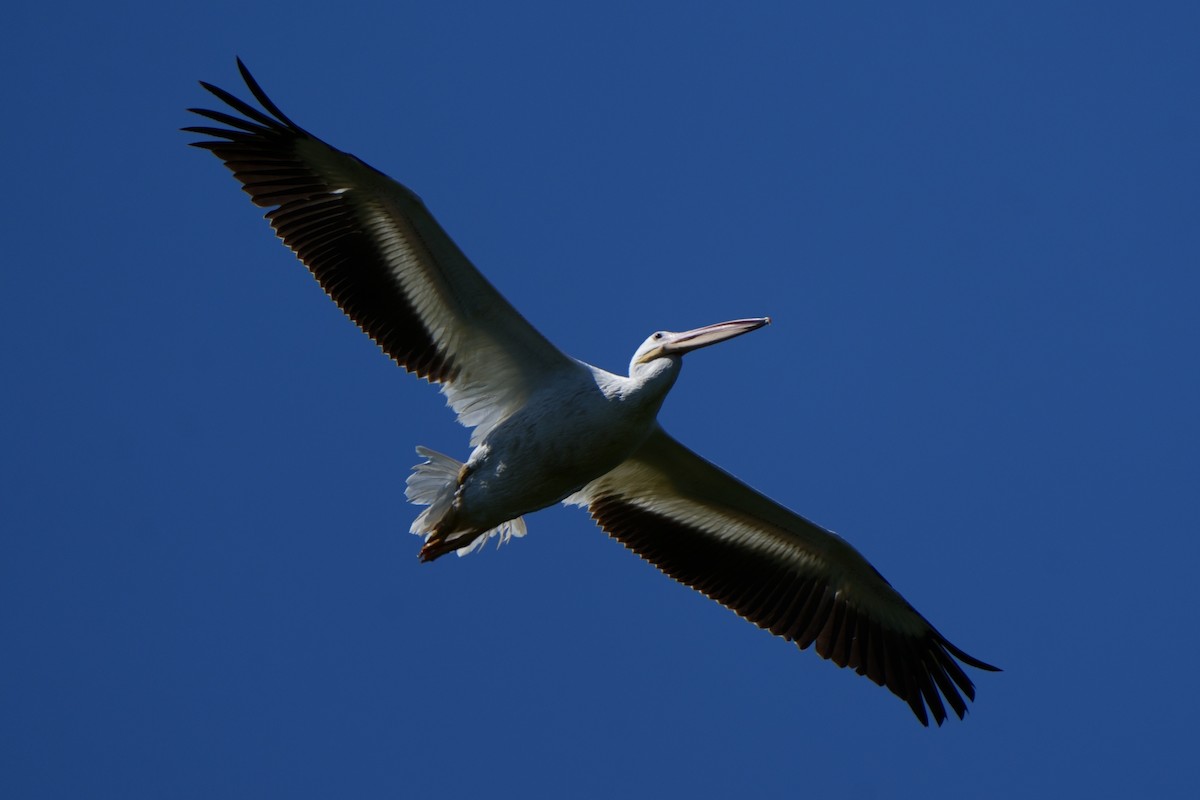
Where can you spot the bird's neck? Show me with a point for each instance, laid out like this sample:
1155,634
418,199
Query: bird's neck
648,383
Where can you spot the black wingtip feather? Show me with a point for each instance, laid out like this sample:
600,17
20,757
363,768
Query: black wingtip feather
312,216
230,120
241,105
262,97
948,690
966,659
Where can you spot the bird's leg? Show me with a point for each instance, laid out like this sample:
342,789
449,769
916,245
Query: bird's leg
438,543
436,548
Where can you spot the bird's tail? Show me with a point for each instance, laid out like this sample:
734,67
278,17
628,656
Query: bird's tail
434,483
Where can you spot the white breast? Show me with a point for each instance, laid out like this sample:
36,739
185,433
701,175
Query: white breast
569,433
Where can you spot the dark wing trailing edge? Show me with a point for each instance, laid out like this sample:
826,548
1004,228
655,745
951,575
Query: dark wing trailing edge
383,258
706,529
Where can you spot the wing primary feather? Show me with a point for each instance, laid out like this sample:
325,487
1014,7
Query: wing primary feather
791,612
828,637
896,677
847,652
758,604
919,669
262,98
876,669
955,672
911,678
804,615
233,136
966,659
241,105
227,119
776,604
944,685
817,622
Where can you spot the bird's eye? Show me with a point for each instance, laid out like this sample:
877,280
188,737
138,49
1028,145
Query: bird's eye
658,335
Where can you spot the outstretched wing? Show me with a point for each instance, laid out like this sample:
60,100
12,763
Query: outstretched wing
378,252
704,528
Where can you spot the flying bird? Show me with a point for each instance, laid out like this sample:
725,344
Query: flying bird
548,428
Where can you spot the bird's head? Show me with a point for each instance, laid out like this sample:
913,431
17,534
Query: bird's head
671,345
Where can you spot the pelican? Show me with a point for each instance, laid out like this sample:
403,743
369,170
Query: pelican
547,428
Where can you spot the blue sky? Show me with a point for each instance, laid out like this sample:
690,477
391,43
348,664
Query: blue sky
974,227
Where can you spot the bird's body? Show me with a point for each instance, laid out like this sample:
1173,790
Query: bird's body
549,428
581,423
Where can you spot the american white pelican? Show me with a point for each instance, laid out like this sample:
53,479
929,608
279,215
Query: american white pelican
549,428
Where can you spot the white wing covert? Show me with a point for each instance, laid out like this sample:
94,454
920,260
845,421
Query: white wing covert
382,257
